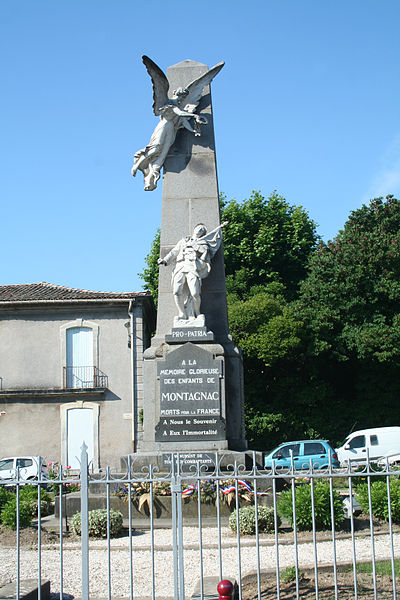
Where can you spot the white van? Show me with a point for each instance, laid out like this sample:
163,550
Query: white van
28,467
379,441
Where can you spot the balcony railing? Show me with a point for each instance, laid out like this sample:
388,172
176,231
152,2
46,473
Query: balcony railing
84,377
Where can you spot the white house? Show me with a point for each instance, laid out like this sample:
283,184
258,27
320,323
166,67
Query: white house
71,371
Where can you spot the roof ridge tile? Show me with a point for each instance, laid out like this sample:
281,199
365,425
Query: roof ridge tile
42,291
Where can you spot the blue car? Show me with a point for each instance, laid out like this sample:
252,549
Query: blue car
303,451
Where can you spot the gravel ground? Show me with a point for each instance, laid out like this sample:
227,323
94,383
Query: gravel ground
163,564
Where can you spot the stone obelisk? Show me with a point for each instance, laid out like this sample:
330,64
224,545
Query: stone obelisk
190,197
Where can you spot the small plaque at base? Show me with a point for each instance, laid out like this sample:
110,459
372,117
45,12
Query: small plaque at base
189,460
180,335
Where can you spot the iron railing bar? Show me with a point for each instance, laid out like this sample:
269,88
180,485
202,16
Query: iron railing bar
296,554
39,514
257,537
153,591
391,532
84,523
108,533
200,524
314,532
353,541
371,525
174,526
278,583
17,524
60,524
218,504
238,529
333,527
180,529
129,475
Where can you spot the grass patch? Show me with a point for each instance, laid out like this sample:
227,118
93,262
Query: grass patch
383,567
289,574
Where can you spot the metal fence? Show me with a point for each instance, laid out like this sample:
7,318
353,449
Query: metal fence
161,557
84,377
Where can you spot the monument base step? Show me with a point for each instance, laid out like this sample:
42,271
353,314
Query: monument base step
226,459
28,590
162,507
210,588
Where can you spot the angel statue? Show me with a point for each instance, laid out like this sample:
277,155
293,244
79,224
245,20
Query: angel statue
174,113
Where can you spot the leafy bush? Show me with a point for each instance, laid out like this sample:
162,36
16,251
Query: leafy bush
362,478
247,520
8,514
303,506
98,523
289,575
379,499
28,505
29,494
5,496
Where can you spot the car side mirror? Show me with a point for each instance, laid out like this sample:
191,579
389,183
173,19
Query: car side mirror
279,456
347,447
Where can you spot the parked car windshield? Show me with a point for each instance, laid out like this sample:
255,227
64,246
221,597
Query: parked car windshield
357,442
6,465
284,452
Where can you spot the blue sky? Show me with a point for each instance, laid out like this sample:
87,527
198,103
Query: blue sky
308,103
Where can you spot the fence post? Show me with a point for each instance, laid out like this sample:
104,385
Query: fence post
85,521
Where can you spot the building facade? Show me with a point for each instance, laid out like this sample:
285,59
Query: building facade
71,371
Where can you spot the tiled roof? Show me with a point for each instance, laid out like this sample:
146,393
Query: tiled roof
42,292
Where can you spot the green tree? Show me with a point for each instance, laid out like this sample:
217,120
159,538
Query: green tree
263,326
150,273
270,338
350,305
267,239
267,245
351,297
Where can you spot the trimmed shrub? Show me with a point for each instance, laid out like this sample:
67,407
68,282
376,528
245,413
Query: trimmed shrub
8,514
379,499
322,505
98,523
247,520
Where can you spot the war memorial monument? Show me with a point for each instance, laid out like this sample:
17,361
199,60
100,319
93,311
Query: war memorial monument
193,375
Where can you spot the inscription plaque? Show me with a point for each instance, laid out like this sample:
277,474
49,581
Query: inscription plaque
189,460
190,396
180,335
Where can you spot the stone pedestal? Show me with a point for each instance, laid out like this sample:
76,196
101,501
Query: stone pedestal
190,197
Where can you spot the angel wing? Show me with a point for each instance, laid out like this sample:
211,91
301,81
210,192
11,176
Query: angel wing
195,88
160,84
